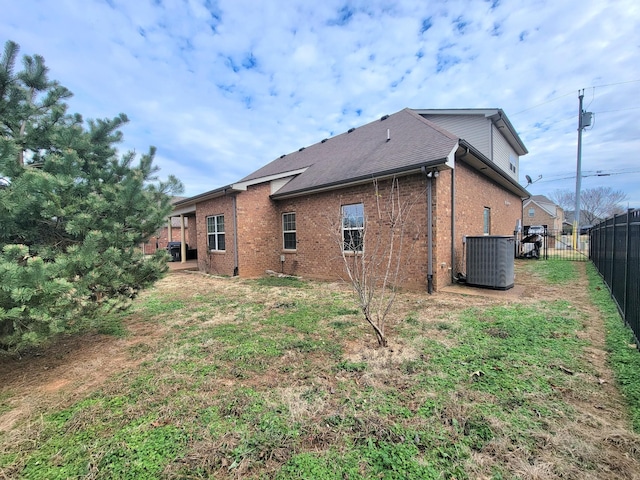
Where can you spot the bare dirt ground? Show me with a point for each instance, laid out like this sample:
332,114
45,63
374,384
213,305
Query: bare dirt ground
74,367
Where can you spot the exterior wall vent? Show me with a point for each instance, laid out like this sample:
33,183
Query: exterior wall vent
490,261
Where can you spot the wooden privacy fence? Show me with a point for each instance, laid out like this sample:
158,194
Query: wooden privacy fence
614,249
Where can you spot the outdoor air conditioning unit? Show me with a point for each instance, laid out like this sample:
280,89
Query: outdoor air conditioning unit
490,261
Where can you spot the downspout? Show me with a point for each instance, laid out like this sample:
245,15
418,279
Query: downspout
235,237
428,176
453,225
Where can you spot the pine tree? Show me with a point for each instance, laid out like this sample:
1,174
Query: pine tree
73,212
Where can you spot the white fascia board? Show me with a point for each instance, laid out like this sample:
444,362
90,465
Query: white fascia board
451,158
183,210
243,185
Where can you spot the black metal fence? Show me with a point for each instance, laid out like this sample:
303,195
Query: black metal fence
554,244
614,248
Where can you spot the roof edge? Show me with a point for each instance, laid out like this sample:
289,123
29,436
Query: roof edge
515,186
363,179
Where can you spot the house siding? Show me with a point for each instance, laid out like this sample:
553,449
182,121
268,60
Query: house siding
474,192
442,264
259,231
319,235
475,129
216,262
502,153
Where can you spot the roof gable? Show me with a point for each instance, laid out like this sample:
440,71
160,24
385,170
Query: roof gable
495,115
394,143
544,203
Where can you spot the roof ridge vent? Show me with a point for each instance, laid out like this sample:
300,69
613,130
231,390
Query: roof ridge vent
301,148
283,155
324,140
351,130
384,117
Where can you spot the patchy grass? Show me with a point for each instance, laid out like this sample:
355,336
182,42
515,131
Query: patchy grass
623,354
555,271
256,379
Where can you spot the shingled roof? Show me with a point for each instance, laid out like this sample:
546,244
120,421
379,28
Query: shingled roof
393,144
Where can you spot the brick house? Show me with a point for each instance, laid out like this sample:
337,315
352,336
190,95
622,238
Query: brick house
294,214
539,210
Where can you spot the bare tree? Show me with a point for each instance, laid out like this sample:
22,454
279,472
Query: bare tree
565,198
595,203
373,252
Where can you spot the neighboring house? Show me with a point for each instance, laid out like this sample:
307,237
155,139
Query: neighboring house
292,215
539,210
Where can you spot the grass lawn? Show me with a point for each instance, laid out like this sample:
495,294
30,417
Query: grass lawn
277,378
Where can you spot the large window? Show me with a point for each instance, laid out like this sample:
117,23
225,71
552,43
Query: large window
215,232
486,221
352,227
289,231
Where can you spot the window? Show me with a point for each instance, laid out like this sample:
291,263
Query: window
289,231
512,163
352,227
215,232
486,221
532,212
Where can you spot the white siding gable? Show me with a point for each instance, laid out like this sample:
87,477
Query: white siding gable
475,129
503,155
480,131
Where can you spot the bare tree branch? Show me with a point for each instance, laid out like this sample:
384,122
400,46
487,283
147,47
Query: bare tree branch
373,253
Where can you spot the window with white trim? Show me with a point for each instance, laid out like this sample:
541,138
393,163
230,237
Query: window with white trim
352,227
215,232
532,212
486,221
289,241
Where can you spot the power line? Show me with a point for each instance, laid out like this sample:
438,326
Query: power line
573,93
602,174
620,110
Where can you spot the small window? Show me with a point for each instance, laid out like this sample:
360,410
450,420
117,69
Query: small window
215,232
512,163
352,227
487,221
532,212
289,231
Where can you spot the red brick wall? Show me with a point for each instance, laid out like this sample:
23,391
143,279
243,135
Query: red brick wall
216,262
473,193
318,219
442,230
259,231
159,241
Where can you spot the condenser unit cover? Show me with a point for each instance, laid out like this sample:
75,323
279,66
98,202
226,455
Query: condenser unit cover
490,261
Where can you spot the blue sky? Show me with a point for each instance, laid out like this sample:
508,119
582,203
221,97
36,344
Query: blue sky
224,87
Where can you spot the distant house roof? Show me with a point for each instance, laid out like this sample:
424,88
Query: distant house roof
395,143
541,199
543,202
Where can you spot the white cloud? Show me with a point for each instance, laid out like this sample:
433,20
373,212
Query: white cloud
222,88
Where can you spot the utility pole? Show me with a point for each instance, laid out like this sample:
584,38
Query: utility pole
584,120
